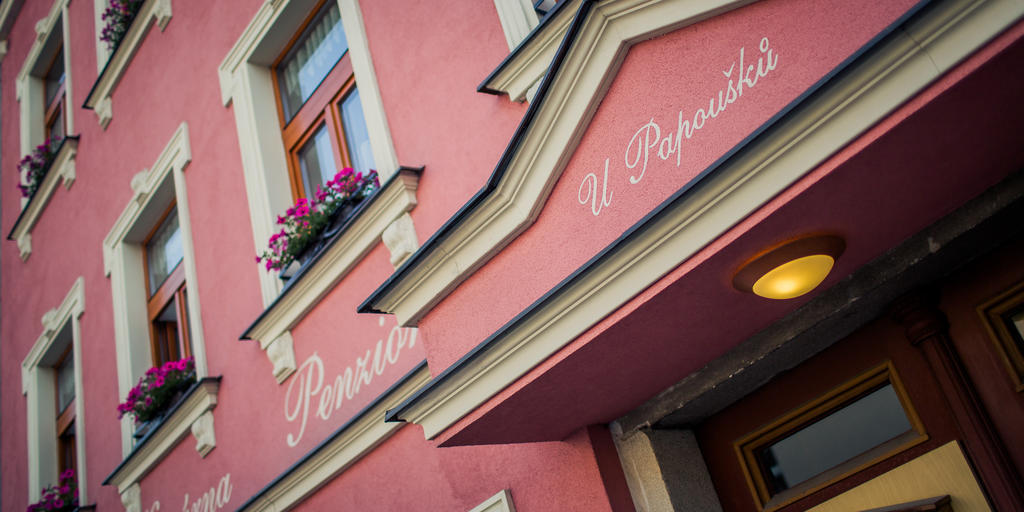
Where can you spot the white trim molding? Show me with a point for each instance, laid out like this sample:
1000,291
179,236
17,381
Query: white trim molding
501,502
529,61
895,70
350,443
246,82
8,12
114,65
194,414
517,19
62,169
386,209
153,191
60,328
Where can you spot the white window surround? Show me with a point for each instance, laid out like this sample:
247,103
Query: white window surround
61,170
8,12
246,81
194,413
113,66
501,502
154,189
517,19
51,32
37,384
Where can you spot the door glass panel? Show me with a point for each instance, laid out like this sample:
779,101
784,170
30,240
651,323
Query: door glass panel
845,433
355,133
164,251
311,58
316,160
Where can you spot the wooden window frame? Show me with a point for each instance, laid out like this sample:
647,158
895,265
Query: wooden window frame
54,109
746,448
65,418
993,314
321,108
171,290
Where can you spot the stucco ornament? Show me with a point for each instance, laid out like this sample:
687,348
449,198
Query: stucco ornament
202,430
400,239
281,353
131,498
25,246
140,185
104,111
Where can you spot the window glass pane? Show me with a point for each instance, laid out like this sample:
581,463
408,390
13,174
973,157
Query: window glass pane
355,133
163,251
165,330
55,130
54,77
315,53
65,383
845,433
1015,323
316,159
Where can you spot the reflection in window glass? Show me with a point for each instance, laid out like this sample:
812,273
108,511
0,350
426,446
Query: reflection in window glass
845,433
164,251
355,133
55,77
316,159
65,383
1015,324
318,49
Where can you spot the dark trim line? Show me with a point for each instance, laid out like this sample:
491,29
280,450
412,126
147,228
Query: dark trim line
149,435
652,217
35,194
499,171
316,257
106,66
334,435
541,26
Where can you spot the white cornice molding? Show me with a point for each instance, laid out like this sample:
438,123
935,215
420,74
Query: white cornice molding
893,72
196,408
517,18
43,28
99,98
62,169
395,199
8,13
528,63
358,438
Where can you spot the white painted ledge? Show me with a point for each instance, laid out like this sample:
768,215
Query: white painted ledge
364,231
99,101
61,169
192,414
501,502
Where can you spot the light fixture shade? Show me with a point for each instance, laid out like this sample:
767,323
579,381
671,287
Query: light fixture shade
791,269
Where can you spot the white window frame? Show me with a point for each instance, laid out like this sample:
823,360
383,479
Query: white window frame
154,189
37,384
246,80
30,89
500,502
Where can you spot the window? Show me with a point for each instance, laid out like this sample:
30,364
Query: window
50,379
323,126
863,421
1004,318
55,98
165,286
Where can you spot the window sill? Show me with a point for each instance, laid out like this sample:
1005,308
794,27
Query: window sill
98,100
193,412
360,233
61,168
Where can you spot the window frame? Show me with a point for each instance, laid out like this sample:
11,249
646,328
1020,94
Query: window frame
171,290
993,315
39,386
800,417
65,419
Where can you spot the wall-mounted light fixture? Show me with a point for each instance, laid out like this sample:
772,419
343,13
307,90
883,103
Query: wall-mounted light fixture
791,269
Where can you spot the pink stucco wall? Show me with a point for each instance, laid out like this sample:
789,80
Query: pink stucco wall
427,79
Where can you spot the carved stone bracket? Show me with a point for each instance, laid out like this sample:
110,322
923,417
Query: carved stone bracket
281,353
202,430
131,498
927,328
400,239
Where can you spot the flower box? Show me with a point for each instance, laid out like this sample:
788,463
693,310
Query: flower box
118,18
156,393
61,497
36,164
310,225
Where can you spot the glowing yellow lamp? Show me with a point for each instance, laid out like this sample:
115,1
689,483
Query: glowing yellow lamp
792,269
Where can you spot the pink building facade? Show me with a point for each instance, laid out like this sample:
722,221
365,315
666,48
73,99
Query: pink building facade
553,297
